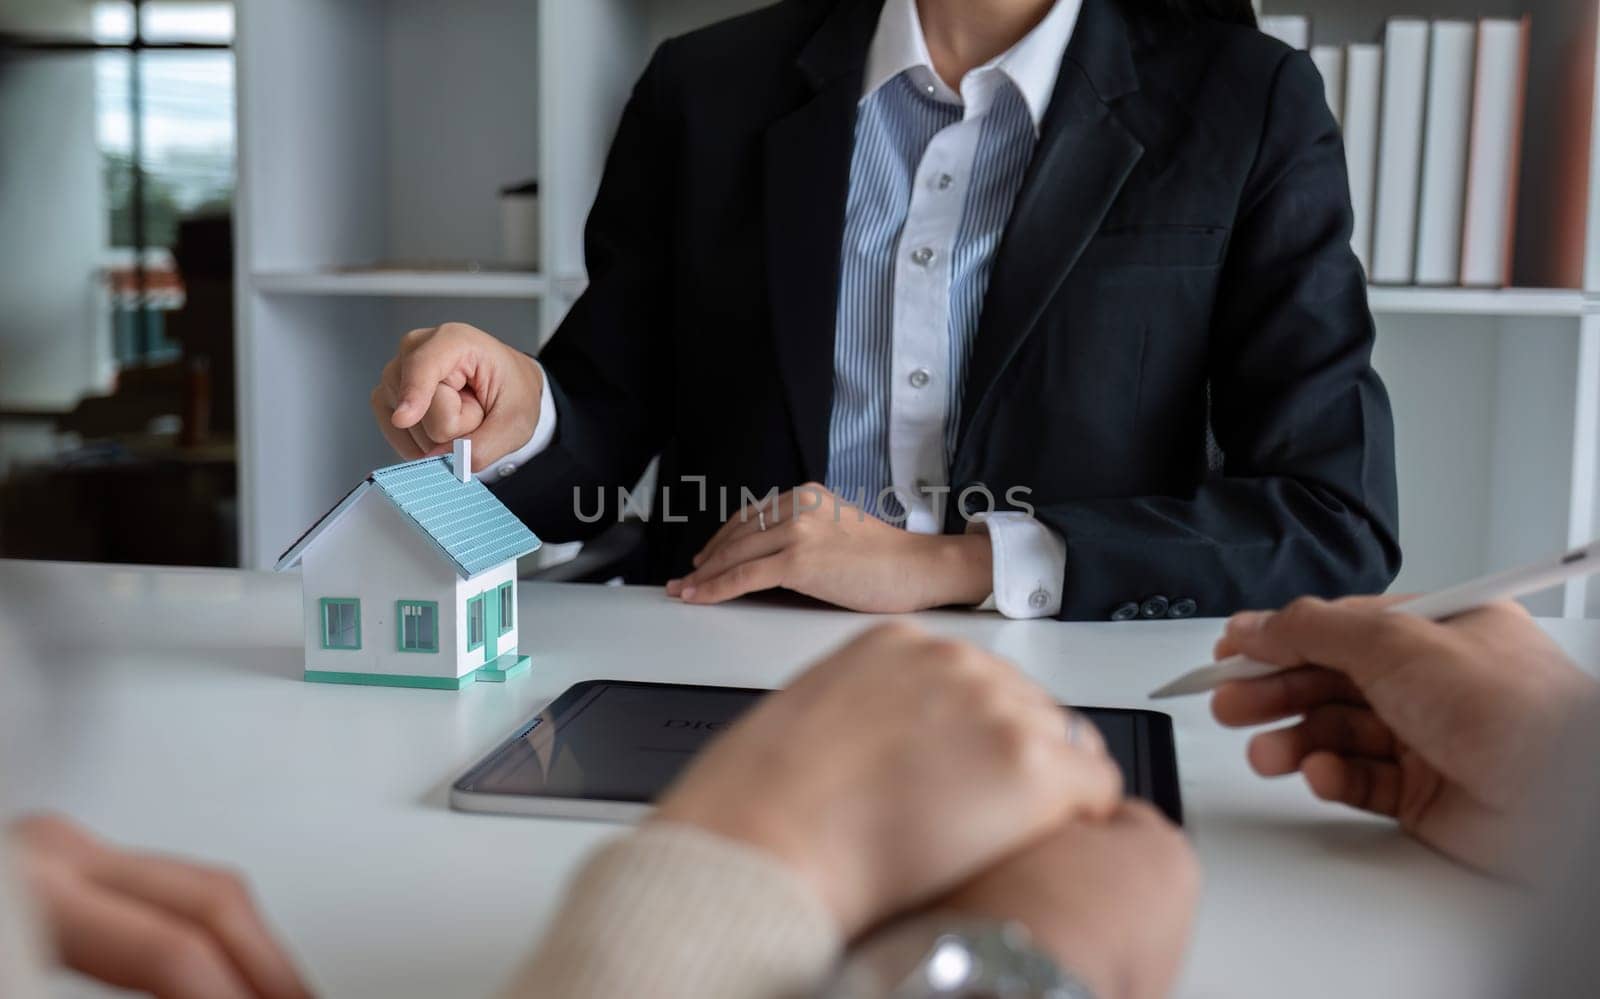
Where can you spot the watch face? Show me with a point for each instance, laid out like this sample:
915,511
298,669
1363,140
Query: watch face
951,967
996,961
951,957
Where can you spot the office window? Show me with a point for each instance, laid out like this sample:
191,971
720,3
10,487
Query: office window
508,606
164,88
475,623
341,623
419,625
171,21
117,361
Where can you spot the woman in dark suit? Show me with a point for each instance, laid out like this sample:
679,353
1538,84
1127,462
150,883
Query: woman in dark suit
927,301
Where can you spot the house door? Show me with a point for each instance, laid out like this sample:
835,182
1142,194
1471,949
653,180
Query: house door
490,601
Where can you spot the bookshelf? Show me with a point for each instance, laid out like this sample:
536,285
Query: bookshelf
350,157
1496,391
1510,302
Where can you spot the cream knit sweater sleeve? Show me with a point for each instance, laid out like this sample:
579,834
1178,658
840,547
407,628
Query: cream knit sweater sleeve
671,912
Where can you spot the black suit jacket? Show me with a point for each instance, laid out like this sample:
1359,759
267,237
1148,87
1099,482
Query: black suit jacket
1178,259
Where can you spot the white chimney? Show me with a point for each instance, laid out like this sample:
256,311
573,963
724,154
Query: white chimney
461,458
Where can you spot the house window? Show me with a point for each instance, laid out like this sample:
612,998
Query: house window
508,606
341,623
419,625
475,623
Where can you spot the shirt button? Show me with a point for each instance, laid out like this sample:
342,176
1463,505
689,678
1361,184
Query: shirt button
1183,608
920,378
1038,599
1154,607
944,182
923,256
507,471
1127,612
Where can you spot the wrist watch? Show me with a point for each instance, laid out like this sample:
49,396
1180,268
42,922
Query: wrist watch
950,956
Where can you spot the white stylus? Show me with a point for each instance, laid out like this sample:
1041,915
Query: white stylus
1458,599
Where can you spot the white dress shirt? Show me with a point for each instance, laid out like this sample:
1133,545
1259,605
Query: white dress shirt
925,217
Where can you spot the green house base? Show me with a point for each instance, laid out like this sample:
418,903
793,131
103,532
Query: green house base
391,680
502,669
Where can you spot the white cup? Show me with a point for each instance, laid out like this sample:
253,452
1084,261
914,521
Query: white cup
519,226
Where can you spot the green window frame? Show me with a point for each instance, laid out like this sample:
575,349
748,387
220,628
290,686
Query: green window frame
475,628
508,607
341,624
416,625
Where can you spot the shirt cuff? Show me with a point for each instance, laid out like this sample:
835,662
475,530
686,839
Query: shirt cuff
543,433
1030,565
674,912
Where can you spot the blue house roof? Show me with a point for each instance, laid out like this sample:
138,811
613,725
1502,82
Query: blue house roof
463,521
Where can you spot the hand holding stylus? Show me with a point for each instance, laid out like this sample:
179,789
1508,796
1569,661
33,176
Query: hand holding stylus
1446,728
1440,606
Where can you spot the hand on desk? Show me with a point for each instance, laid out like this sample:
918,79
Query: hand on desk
149,923
894,770
457,381
1113,901
812,542
1447,728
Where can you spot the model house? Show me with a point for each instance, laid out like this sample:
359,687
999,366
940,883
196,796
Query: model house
411,580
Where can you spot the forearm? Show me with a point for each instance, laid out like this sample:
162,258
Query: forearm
1013,560
670,911
957,568
1306,502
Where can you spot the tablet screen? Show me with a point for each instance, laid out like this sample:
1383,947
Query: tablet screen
611,740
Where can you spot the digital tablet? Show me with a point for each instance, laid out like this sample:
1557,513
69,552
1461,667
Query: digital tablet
606,748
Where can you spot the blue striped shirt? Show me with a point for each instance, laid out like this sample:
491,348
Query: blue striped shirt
896,129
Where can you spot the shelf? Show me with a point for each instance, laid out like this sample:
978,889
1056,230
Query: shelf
513,285
1514,302
406,284
1535,302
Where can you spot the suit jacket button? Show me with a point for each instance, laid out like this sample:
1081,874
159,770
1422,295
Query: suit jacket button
1182,608
1127,612
1154,607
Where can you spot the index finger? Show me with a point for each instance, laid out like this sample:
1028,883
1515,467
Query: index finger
1245,623
1281,695
420,373
1363,641
214,901
401,440
123,942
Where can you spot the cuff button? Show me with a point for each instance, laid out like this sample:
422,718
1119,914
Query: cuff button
507,471
1038,599
1127,612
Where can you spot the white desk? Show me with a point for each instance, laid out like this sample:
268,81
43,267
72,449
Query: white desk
164,707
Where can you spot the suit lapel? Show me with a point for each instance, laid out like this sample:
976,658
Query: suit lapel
808,154
1084,156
